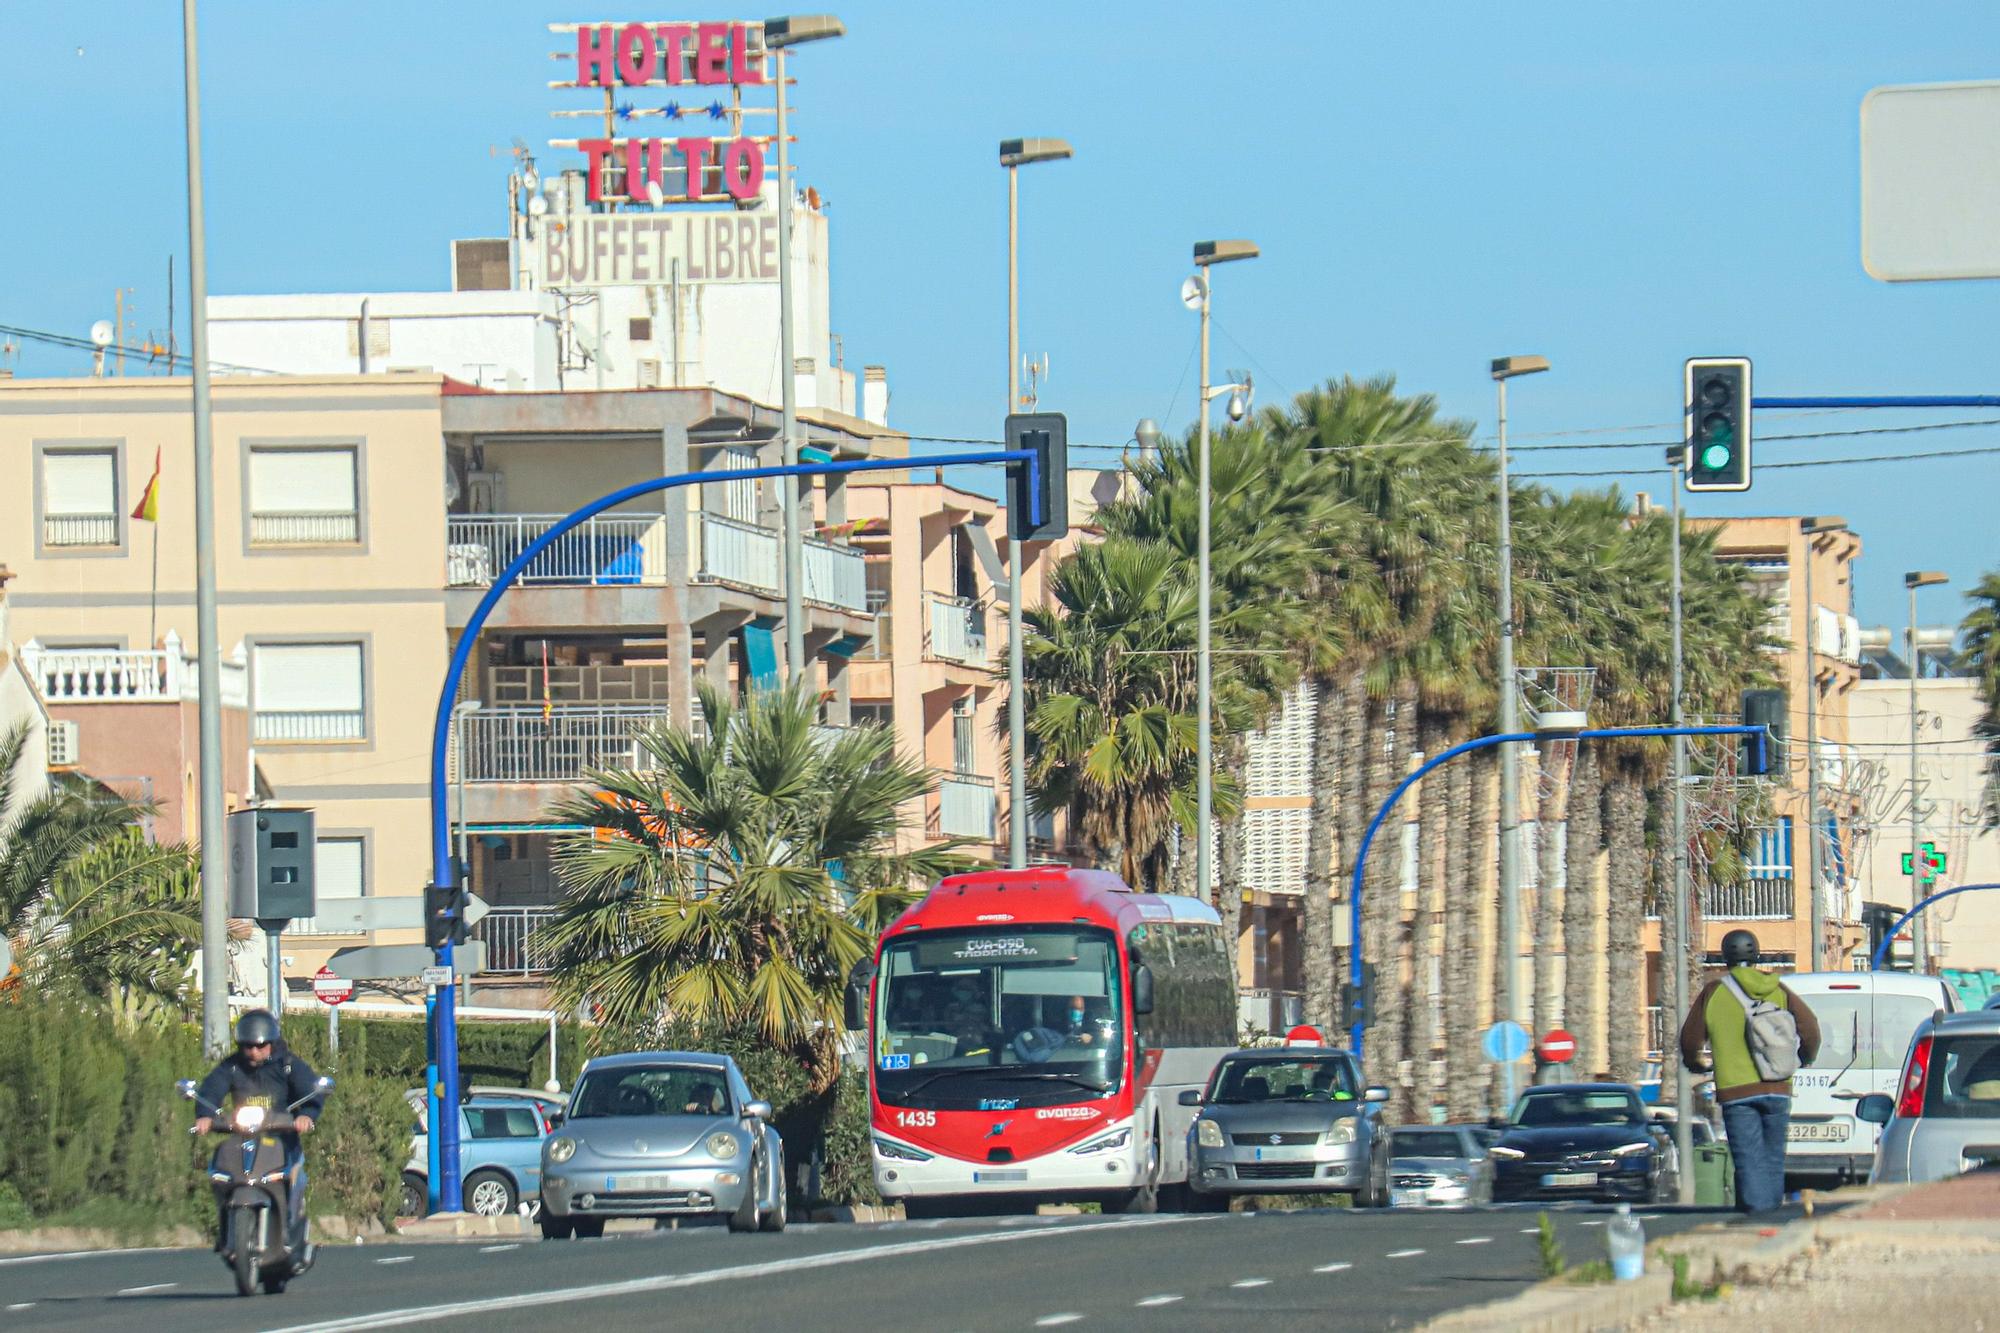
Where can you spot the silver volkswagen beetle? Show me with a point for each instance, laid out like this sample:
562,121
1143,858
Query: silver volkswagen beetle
1289,1119
662,1134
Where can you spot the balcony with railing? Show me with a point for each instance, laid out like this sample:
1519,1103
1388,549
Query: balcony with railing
79,529
509,934
738,553
836,575
967,807
956,630
305,529
1755,899
608,550
523,745
90,675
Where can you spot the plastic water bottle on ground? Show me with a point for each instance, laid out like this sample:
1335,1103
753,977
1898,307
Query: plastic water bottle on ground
1625,1238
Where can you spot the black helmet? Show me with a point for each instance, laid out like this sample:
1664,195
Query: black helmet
259,1027
1739,949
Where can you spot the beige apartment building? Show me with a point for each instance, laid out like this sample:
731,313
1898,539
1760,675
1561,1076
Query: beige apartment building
360,520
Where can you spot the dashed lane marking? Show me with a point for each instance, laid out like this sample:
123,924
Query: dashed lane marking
1476,1240
499,1249
1333,1268
1152,1301
1402,1254
1252,1282
397,1259
156,1286
82,1254
1052,1320
24,1305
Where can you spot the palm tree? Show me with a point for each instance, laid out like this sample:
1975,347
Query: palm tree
738,877
1980,631
85,901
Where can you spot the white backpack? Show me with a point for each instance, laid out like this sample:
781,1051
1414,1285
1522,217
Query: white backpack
1771,1033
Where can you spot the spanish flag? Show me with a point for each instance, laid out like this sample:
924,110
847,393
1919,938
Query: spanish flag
149,500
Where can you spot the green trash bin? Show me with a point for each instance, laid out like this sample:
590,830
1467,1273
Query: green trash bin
1714,1176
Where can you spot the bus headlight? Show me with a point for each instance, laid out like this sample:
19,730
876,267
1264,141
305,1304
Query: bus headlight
1207,1133
897,1152
1105,1143
1341,1130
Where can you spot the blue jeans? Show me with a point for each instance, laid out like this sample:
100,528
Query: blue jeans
1757,1128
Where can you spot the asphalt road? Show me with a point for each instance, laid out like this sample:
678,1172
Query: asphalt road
1323,1269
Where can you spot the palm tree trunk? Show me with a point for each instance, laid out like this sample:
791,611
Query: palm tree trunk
1432,896
1552,811
1232,846
1580,910
1467,920
1403,973
1350,805
1322,832
1626,914
1181,879
1382,909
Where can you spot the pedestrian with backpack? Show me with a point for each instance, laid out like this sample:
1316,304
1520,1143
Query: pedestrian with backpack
1758,1033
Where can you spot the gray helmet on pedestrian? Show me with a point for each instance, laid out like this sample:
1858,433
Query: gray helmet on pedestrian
259,1027
1739,949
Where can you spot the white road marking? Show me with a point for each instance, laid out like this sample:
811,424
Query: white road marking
425,1314
1333,1268
1530,1231
1597,1223
1402,1254
498,1249
398,1259
1477,1240
157,1286
1152,1301
82,1254
1051,1320
1252,1282
24,1305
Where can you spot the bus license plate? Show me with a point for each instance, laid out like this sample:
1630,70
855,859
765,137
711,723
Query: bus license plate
998,1177
1559,1179
1817,1131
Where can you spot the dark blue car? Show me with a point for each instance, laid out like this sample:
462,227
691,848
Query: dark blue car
1583,1141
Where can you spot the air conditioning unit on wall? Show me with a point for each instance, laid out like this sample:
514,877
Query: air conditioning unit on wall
63,744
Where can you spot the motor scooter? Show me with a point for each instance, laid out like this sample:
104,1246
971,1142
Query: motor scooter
253,1187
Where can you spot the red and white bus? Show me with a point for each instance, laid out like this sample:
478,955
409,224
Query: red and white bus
1029,1035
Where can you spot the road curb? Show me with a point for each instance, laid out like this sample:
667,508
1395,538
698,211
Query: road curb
460,1226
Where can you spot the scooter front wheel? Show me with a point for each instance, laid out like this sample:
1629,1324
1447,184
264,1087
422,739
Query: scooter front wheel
243,1248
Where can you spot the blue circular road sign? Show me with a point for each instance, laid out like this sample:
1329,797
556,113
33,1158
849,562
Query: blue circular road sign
1506,1041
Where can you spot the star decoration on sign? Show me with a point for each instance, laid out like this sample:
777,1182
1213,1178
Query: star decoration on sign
625,111
673,111
715,111
1929,863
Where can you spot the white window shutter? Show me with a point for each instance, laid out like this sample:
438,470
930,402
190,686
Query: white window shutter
308,677
337,865
80,482
302,481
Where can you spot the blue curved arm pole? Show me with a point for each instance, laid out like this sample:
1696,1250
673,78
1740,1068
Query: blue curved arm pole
443,872
1882,949
1354,968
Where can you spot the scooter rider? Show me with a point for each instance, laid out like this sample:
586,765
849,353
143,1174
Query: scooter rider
264,1072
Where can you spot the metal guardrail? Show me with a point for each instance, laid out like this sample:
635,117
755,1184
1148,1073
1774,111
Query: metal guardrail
304,529
957,630
610,549
736,552
508,933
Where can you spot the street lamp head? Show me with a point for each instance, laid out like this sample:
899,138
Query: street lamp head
1221,252
1147,435
1925,578
1814,526
796,28
1507,367
1020,152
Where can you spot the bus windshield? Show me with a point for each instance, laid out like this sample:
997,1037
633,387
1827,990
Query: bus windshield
1025,1016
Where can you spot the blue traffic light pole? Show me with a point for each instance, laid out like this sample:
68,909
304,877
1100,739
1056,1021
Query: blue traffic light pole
444,1140
1354,968
1889,935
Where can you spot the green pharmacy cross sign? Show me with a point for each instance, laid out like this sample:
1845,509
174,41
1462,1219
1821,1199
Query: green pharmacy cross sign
1930,864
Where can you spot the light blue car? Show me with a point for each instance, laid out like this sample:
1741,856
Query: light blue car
499,1154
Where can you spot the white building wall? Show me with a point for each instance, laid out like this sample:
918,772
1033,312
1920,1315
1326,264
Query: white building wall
502,340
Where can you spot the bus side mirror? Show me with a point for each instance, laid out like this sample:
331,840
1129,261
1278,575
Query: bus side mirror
855,1006
1142,989
1875,1108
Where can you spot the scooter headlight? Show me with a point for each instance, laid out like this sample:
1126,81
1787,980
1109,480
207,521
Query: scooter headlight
249,1119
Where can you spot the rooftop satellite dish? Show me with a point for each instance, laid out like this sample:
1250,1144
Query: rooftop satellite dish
102,333
537,205
1191,292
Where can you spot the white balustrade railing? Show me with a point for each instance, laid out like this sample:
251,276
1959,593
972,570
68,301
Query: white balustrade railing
736,552
509,933
304,529
521,745
966,806
318,724
836,575
1752,900
957,630
92,675
607,549
79,529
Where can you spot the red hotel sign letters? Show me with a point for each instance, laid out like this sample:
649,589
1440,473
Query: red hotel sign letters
637,55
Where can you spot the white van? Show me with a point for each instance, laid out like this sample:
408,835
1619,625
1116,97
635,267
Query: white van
1866,1020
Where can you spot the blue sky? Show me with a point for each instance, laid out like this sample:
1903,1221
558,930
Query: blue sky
1616,187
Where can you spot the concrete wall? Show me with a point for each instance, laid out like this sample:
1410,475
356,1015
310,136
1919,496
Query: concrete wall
496,339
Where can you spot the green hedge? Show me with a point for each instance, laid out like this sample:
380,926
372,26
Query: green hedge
511,1055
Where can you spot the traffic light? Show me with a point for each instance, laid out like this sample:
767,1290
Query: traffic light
1038,506
444,915
1717,407
1358,1007
1766,709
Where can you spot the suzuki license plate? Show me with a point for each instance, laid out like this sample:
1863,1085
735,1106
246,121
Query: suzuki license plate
1562,1179
1817,1131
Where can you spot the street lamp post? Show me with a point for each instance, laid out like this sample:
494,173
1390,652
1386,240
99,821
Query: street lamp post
1014,153
208,649
1206,255
780,33
1503,369
1920,934
1813,528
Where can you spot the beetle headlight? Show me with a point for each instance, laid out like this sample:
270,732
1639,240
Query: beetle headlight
562,1148
1341,1130
722,1146
1207,1133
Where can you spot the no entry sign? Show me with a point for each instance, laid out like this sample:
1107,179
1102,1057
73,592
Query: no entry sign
1558,1047
331,989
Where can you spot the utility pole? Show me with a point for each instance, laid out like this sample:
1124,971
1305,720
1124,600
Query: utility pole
1676,964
